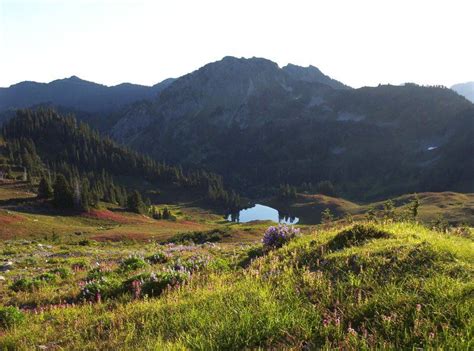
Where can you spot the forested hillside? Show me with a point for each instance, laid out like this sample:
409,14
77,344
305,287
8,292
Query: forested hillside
47,144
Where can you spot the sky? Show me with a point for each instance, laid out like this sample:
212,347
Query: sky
359,42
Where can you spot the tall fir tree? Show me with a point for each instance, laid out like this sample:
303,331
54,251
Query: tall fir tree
45,191
63,195
135,203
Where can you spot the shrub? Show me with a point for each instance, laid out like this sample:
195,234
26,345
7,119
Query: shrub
26,284
47,277
190,264
30,261
9,252
158,257
356,235
63,272
201,237
276,237
219,265
327,216
104,287
249,255
10,316
96,273
132,264
153,284
78,263
158,282
84,242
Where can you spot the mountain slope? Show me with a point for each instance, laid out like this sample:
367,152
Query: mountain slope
465,89
260,126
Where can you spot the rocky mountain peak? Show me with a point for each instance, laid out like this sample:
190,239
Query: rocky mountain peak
312,74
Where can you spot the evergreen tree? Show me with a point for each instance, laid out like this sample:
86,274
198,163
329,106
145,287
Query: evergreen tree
325,187
287,192
25,175
44,189
95,199
327,216
413,207
370,214
63,196
389,210
76,195
135,203
166,213
86,199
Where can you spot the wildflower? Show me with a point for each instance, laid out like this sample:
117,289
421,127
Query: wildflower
325,322
351,331
418,307
431,335
276,237
136,287
387,318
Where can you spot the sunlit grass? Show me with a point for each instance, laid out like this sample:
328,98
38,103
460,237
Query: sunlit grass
413,288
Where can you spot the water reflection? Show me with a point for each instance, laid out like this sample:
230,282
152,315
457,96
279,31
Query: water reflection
261,213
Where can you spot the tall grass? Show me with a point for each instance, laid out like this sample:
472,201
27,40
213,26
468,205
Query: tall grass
408,288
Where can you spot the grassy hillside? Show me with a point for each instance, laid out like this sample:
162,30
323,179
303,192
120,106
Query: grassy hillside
455,208
385,286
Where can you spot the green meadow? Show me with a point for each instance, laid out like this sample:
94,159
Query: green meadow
365,285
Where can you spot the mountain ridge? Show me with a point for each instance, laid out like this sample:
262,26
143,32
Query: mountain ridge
257,124
76,93
465,89
260,126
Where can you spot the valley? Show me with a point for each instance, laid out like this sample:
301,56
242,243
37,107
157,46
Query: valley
241,206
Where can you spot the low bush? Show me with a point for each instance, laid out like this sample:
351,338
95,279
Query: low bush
10,316
190,264
63,272
157,282
355,236
79,263
48,277
158,257
201,237
104,287
26,284
97,273
132,263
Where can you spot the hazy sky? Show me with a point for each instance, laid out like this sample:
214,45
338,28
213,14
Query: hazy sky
360,42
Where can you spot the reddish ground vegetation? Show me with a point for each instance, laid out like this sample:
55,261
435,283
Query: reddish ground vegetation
10,218
114,217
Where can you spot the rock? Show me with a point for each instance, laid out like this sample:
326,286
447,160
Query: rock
6,266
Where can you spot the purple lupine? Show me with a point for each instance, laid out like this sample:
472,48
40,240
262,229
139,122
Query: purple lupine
277,236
